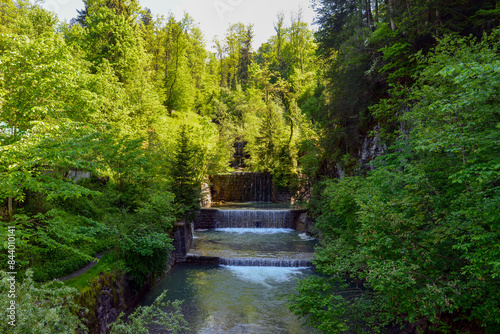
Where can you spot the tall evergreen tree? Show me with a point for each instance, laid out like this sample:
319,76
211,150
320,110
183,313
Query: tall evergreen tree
186,184
245,56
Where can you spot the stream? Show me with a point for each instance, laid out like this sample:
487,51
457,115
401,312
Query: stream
248,291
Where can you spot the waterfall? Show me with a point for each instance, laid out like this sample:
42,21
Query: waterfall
263,262
242,187
249,247
255,187
254,219
245,229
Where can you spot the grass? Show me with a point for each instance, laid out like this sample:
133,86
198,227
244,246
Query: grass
106,264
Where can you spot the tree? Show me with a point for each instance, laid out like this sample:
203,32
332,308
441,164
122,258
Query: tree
415,235
234,54
186,183
34,72
245,57
279,28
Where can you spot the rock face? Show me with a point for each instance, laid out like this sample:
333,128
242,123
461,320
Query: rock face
240,155
304,223
107,311
371,148
105,298
206,194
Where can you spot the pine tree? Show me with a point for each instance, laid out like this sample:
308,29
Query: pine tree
186,183
245,56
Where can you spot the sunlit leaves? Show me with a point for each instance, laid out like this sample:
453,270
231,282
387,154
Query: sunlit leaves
38,77
38,161
457,110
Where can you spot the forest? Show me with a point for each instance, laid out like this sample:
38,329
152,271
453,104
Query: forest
384,121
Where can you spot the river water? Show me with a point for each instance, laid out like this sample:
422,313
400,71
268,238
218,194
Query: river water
239,298
230,299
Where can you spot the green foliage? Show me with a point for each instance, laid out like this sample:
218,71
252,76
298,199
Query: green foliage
36,161
323,309
129,168
40,308
146,254
107,97
111,37
418,231
56,243
270,150
333,306
157,212
458,114
368,49
186,179
271,139
167,315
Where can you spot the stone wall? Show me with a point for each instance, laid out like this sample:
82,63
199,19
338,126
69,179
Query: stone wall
110,294
183,237
205,219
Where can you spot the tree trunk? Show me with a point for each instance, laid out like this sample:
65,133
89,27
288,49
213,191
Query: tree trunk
391,14
10,209
369,16
360,11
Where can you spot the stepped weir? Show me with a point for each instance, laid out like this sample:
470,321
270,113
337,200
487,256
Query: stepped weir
256,262
253,218
244,260
231,228
209,218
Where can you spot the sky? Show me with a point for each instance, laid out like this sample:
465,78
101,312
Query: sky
213,16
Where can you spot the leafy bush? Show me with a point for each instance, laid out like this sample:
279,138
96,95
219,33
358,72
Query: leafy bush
419,233
146,254
143,317
40,308
56,243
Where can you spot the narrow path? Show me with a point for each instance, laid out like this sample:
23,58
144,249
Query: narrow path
82,270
